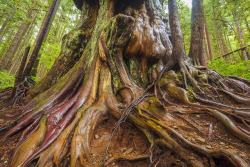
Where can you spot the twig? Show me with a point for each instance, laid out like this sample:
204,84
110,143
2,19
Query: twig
210,132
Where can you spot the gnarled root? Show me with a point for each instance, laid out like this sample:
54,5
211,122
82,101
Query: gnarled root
84,133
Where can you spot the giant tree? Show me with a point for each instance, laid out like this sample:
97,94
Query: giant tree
120,61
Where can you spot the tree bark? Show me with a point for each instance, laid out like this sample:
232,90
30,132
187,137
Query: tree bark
7,43
19,76
240,35
197,33
8,19
3,12
209,43
176,35
25,41
230,46
41,36
220,48
10,53
246,22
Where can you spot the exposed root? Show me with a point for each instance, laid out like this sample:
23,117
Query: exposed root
236,160
215,103
84,133
27,148
230,126
237,98
124,158
54,154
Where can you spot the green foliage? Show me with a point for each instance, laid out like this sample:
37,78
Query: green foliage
237,68
49,54
6,80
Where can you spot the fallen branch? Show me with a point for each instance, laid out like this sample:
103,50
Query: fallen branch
233,52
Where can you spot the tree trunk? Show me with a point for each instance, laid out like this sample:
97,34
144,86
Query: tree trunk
3,12
3,33
230,47
19,76
229,59
240,35
58,27
8,19
197,33
209,43
112,64
246,22
41,37
220,48
205,47
9,55
7,43
25,41
176,35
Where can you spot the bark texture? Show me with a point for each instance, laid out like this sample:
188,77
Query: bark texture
245,54
7,20
10,53
41,36
197,33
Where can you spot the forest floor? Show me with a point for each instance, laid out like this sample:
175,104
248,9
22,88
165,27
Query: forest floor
130,147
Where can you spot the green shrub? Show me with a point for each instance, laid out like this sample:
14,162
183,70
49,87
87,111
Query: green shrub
239,68
6,79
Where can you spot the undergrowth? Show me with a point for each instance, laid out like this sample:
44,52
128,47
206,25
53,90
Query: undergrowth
6,80
236,68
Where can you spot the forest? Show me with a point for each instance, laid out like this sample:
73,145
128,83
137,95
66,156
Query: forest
124,83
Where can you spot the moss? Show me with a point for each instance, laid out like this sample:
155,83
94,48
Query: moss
43,119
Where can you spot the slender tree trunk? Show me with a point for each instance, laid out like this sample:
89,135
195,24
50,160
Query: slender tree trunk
42,71
228,58
242,42
206,48
7,43
42,35
3,14
19,76
52,19
3,33
230,46
246,22
208,39
62,33
222,37
8,19
36,64
9,55
15,64
176,35
217,33
58,27
197,33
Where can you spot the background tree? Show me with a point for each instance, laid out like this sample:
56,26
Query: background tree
197,34
42,35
